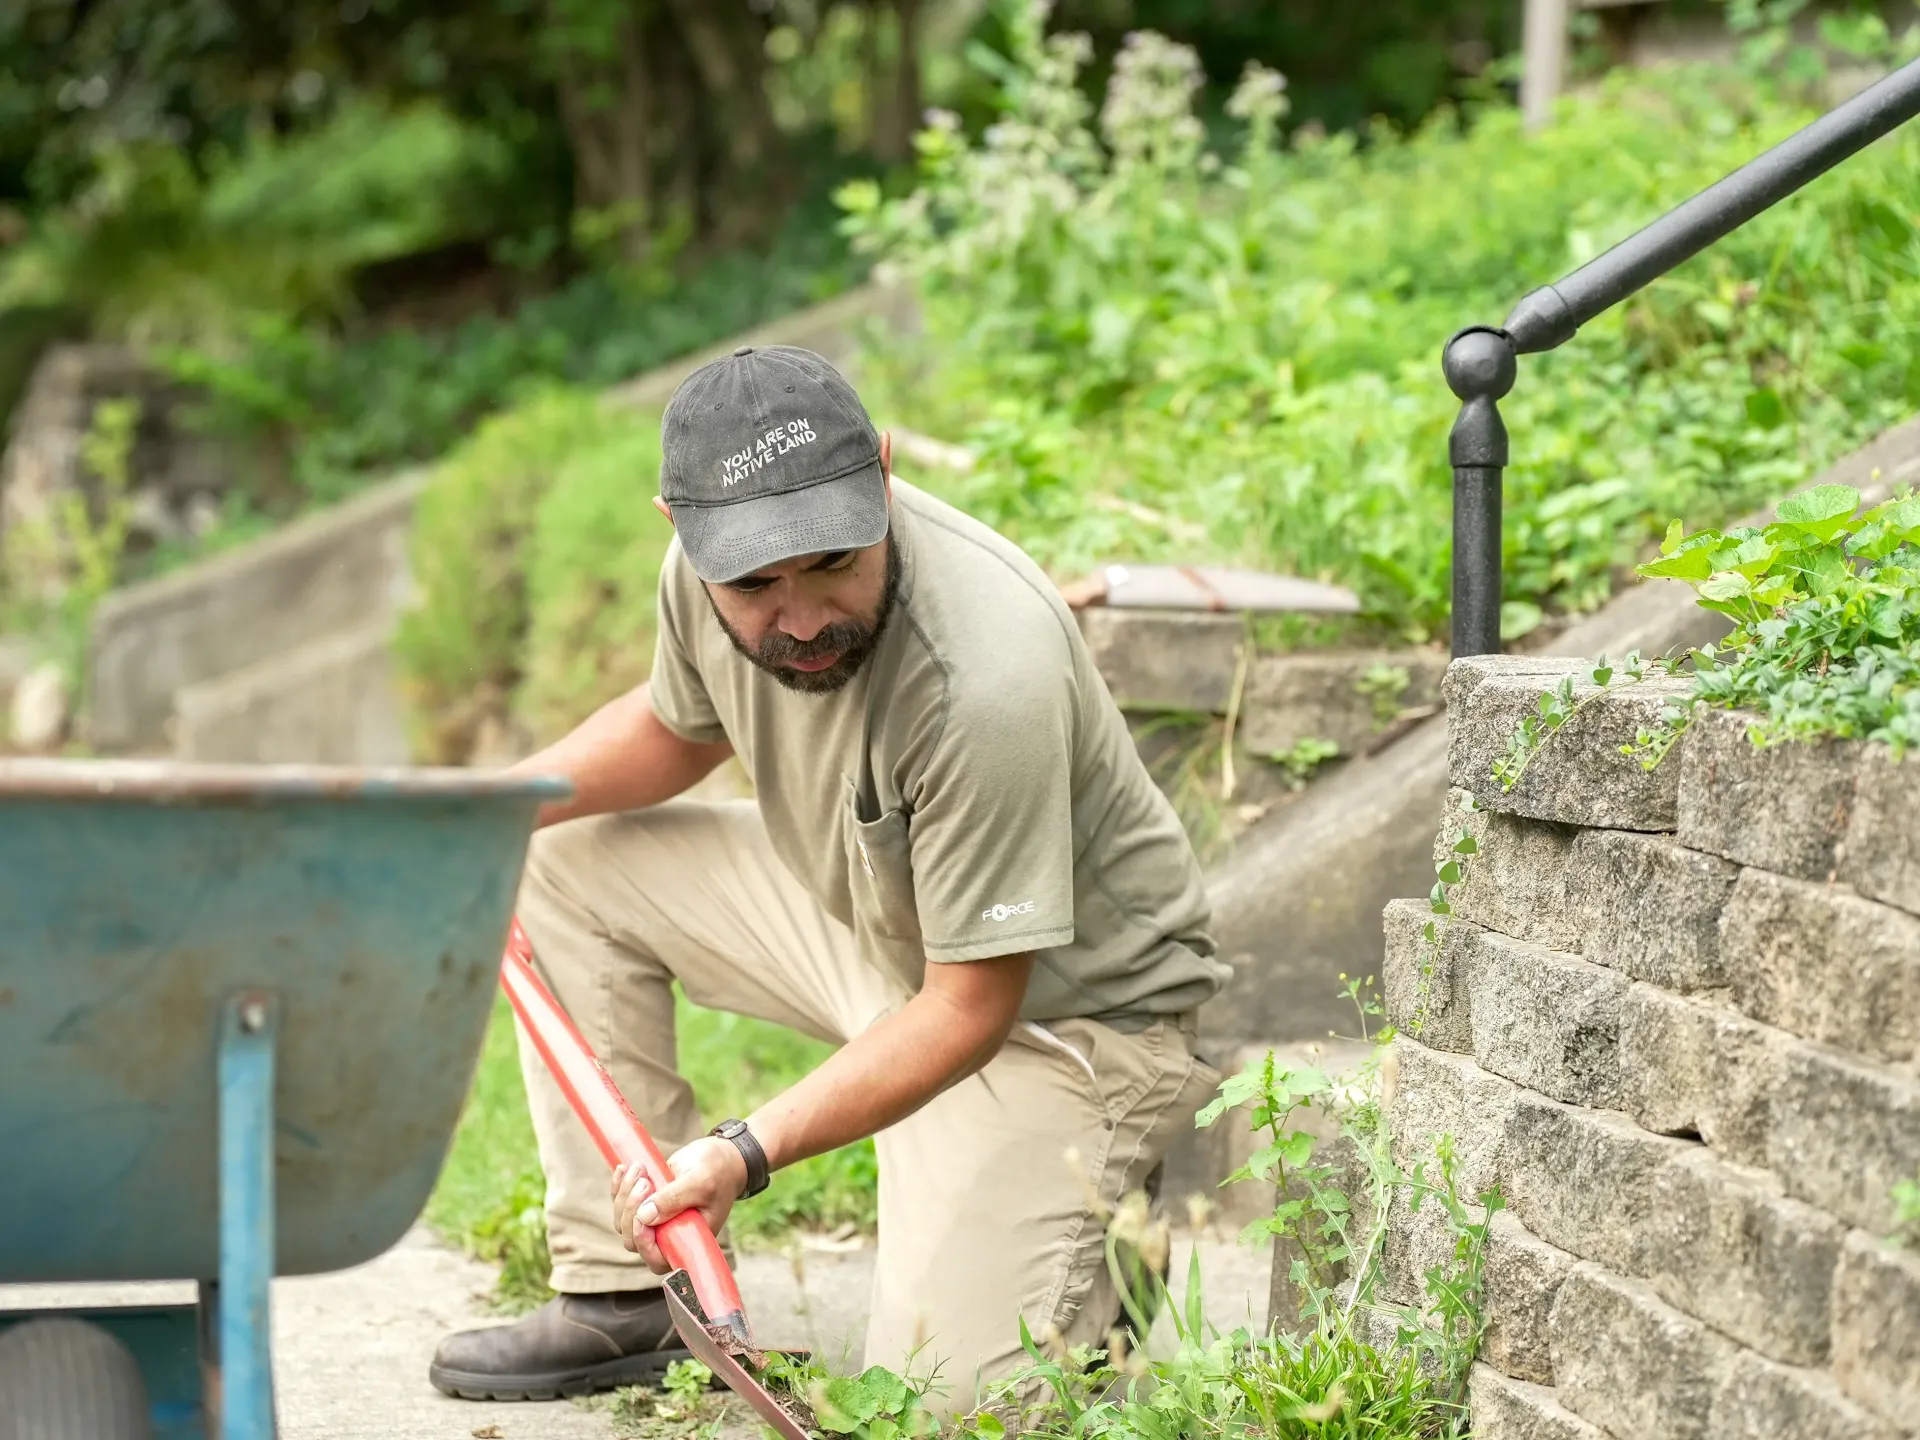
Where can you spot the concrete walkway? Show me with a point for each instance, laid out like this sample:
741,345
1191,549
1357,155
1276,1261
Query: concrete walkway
351,1349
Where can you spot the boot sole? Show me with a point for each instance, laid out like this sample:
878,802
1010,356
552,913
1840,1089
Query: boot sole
557,1384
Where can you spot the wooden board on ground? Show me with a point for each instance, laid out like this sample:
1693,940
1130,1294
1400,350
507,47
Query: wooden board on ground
1207,587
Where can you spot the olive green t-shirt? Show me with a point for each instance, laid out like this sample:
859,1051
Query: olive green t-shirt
973,791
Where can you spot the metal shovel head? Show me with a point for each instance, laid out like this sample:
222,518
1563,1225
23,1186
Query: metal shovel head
724,1352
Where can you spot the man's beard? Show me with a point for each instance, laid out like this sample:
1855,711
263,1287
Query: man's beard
854,641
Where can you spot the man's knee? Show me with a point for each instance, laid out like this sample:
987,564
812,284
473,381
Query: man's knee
558,850
557,882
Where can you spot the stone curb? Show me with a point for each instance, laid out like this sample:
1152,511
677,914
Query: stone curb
1577,775
1818,810
1508,1409
1876,1295
1631,1363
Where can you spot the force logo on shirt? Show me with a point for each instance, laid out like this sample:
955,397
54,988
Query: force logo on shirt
1001,912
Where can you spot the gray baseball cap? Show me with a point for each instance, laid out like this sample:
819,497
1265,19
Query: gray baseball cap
766,454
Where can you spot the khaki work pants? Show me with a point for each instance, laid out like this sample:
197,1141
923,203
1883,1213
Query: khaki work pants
982,1218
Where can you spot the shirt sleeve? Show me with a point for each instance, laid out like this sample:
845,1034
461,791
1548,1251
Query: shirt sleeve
678,693
992,830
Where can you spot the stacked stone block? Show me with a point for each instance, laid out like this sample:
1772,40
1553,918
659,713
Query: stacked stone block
1676,1018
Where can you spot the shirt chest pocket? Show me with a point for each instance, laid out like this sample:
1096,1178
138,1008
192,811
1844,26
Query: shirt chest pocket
880,871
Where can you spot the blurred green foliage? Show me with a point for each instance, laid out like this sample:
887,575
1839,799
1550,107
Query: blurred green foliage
158,247
462,647
593,566
330,411
362,226
1157,351
1244,340
1345,63
537,553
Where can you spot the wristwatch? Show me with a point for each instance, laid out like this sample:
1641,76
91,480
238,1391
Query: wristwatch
757,1177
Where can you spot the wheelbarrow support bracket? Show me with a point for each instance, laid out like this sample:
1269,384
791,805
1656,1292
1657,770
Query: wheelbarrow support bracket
249,1026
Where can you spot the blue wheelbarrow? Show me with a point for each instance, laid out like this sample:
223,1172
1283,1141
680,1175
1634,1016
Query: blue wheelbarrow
240,1010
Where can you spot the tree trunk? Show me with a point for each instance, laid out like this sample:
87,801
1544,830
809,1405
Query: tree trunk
683,143
906,75
606,107
894,100
591,160
633,146
748,196
728,49
872,82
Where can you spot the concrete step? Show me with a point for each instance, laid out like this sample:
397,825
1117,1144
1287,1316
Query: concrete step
332,701
332,572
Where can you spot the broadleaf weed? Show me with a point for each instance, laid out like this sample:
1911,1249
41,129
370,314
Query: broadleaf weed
1826,609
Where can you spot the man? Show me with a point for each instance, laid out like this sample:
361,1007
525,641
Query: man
955,867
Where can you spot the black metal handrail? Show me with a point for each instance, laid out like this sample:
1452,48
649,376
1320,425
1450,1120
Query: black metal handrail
1481,361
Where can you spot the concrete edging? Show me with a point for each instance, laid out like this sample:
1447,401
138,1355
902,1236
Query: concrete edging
333,701
322,573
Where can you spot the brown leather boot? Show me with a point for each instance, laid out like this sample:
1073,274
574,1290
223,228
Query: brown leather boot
572,1345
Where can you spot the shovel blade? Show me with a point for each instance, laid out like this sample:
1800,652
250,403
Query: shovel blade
724,1352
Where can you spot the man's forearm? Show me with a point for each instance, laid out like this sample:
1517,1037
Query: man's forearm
953,1026
622,757
879,1077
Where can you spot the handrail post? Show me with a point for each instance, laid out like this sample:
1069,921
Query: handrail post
1481,361
1480,366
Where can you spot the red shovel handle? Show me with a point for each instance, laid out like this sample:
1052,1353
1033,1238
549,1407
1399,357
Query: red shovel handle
688,1243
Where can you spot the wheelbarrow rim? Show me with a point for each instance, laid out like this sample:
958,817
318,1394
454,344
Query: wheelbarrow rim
175,781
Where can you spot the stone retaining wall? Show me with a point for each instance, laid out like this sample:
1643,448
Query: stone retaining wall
1676,1018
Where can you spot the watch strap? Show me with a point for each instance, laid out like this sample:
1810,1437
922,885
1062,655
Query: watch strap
758,1176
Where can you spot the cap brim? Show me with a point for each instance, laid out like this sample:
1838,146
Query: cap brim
724,542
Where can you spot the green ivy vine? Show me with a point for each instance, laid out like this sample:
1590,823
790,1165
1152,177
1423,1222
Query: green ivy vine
1452,871
1826,605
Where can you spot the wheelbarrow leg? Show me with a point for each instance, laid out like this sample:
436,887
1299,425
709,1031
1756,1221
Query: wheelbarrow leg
242,1326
